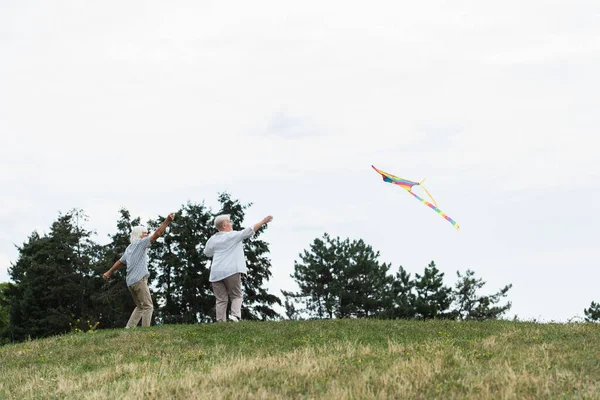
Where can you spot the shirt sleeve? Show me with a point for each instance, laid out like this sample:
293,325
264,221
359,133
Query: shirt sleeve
146,242
243,234
122,259
209,250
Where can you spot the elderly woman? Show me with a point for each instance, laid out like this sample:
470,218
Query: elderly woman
136,259
228,264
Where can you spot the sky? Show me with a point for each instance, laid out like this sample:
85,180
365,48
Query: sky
149,105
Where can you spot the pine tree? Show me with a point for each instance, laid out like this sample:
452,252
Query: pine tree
51,275
4,309
364,283
317,276
592,314
180,269
433,298
402,299
341,279
471,305
290,309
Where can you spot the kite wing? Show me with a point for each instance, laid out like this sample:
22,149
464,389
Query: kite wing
408,185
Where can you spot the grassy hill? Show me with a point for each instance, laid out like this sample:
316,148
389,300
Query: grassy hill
338,359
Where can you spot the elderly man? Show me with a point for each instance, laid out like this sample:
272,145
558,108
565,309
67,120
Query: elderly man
136,259
228,264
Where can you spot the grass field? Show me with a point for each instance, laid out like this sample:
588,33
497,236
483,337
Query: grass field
334,359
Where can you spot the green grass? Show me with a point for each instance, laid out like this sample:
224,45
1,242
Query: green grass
337,359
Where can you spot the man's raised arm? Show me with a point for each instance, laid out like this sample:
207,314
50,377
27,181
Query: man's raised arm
161,229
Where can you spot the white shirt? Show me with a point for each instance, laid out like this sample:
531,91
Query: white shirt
227,251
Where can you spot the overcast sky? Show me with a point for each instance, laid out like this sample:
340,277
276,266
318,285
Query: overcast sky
148,105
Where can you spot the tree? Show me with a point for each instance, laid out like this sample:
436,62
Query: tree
471,305
592,314
179,268
290,309
50,291
317,276
433,299
364,283
402,299
4,309
341,279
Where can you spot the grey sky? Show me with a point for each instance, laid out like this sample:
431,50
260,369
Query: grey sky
287,104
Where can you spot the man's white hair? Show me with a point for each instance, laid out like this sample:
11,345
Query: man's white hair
136,233
220,219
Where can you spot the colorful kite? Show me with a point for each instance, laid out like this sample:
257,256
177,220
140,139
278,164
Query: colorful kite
408,185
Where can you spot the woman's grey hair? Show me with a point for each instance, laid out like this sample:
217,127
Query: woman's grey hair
136,233
220,219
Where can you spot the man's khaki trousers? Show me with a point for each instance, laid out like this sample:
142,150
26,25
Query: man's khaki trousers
143,303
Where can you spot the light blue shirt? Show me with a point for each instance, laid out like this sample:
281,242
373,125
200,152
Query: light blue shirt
136,259
227,251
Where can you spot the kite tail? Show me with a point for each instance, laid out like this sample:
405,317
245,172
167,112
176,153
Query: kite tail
437,210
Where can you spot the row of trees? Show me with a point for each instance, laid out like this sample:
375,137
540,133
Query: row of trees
342,278
57,284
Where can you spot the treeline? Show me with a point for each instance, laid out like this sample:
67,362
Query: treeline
58,287
344,279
